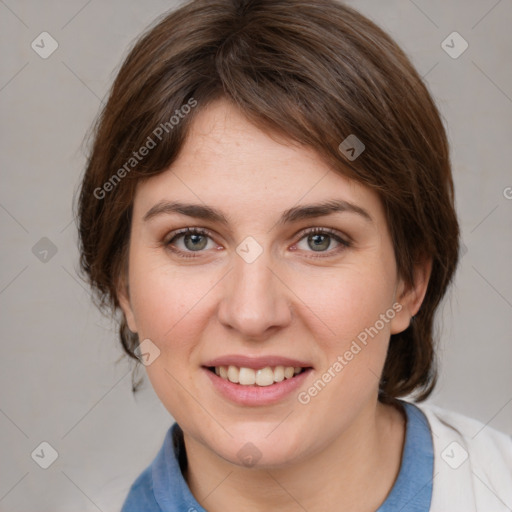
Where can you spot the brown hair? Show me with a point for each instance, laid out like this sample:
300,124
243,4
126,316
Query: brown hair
313,71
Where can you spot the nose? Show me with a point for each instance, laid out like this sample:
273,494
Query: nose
255,301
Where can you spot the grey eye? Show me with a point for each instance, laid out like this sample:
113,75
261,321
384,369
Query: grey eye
319,242
195,242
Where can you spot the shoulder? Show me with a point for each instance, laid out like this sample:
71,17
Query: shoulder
472,463
161,485
476,436
141,496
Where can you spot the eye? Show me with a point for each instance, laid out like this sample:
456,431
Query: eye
194,240
320,239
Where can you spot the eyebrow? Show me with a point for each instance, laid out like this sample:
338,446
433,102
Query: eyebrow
289,216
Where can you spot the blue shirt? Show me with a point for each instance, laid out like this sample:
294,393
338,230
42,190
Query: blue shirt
162,488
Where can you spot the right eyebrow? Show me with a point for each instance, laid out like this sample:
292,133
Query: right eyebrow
197,211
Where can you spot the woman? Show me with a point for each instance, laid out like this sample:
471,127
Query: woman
269,204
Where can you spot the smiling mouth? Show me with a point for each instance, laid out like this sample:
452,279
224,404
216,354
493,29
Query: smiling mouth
257,377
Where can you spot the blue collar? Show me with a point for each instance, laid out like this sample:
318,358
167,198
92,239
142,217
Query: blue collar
412,491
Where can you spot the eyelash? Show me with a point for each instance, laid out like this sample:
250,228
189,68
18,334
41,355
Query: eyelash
204,232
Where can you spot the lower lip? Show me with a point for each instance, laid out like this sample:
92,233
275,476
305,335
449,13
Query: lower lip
256,395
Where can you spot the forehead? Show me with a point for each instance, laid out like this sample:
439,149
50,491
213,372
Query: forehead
221,140
228,162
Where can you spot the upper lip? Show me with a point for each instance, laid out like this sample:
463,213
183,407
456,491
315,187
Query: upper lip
255,362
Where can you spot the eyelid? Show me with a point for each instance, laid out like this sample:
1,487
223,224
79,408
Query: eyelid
330,231
191,229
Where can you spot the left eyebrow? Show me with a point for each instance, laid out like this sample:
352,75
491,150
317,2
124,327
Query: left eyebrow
320,209
294,214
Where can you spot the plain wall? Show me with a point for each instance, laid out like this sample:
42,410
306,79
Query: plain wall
60,379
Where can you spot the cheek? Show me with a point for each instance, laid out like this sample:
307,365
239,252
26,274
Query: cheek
169,308
156,306
167,303
354,346
358,308
346,300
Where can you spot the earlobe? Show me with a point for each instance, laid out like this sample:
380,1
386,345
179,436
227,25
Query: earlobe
411,297
123,296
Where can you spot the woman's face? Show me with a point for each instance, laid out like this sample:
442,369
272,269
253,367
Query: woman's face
260,285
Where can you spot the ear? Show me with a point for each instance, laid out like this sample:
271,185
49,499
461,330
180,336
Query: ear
411,297
123,295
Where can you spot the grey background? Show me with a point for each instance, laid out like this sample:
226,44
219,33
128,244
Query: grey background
60,378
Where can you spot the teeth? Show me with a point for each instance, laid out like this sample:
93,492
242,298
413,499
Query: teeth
289,372
233,374
262,377
246,376
279,373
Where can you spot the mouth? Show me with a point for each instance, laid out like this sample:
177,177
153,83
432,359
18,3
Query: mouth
257,377
256,380
261,385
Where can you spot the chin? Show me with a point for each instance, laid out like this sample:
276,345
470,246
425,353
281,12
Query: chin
256,448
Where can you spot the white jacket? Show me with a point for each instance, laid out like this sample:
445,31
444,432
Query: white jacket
472,464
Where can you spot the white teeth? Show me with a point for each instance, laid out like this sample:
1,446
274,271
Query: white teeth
279,373
247,376
262,377
233,374
289,372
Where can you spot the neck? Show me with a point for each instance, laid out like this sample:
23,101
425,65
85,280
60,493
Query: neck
335,478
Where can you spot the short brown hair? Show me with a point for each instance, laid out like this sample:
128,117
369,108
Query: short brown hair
315,72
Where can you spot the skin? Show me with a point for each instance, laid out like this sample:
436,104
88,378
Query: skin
291,301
